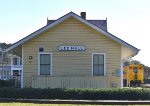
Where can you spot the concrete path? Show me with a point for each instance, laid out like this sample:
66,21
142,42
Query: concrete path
96,102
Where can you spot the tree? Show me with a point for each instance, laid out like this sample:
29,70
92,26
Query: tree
4,45
126,63
146,68
146,72
4,55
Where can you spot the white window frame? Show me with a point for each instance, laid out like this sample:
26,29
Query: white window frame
39,63
104,63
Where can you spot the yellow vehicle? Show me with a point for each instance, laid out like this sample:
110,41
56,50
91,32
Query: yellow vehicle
133,75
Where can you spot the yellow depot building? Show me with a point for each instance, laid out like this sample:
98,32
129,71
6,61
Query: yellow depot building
72,52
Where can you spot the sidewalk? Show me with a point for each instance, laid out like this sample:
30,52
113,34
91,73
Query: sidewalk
57,101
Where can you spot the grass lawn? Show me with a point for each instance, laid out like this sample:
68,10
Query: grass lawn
33,104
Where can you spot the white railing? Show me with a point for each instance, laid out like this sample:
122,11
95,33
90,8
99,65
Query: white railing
71,82
16,67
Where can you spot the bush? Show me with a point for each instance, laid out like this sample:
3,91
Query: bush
6,83
85,94
147,81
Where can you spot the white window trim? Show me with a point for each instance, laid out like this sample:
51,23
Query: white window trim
104,62
39,63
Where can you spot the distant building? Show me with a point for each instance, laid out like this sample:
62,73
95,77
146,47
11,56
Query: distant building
12,68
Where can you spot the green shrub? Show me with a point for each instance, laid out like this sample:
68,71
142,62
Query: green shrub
147,81
85,94
6,83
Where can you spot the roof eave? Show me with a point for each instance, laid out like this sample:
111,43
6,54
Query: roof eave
108,34
61,19
39,31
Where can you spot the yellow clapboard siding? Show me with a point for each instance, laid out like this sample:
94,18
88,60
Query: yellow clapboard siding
72,63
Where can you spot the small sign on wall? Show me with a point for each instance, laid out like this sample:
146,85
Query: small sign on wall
118,73
71,48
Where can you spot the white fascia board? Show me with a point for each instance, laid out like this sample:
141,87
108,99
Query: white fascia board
39,31
106,33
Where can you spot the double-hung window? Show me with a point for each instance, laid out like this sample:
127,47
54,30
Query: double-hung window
98,64
15,61
45,63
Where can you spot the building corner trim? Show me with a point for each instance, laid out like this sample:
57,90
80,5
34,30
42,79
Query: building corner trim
22,70
121,69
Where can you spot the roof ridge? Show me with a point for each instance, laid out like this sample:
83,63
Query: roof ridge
96,20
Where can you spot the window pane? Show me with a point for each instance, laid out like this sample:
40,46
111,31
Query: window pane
95,57
15,61
101,59
98,64
96,70
44,59
45,64
44,69
101,70
135,70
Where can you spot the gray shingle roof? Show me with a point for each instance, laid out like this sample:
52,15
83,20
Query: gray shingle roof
99,23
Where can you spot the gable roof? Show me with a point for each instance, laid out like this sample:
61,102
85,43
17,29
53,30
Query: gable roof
61,19
99,23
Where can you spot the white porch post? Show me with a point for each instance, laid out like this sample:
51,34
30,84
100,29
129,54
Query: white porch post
22,70
11,66
19,60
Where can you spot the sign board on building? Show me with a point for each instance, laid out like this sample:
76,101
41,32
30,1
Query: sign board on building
71,48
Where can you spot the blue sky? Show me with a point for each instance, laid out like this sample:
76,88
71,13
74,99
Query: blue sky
127,19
